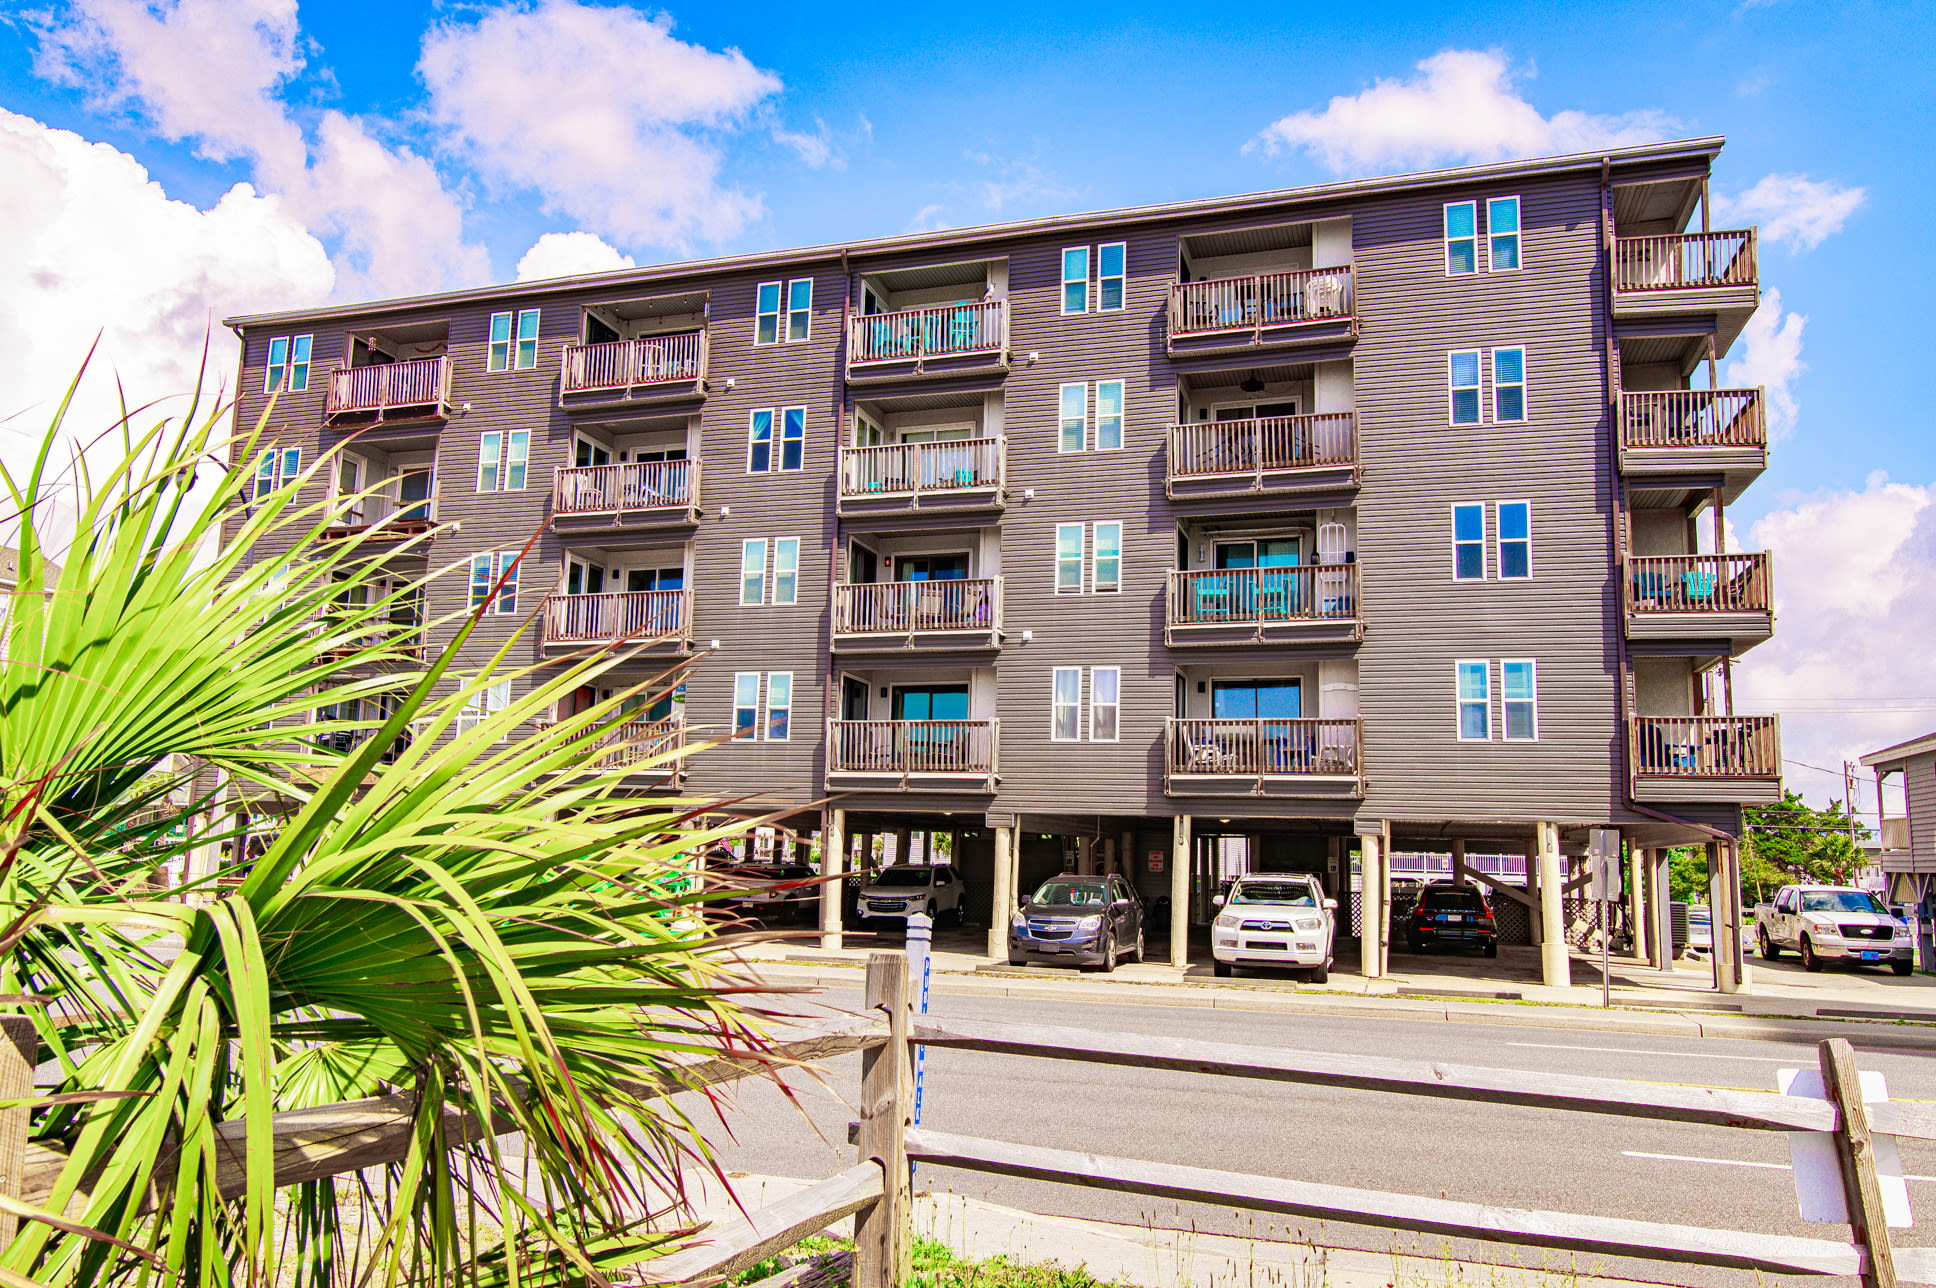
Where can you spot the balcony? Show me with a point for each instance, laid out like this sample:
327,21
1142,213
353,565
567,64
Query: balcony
641,494
1705,759
373,518
648,369
913,755
1262,310
660,620
1705,278
639,743
1271,454
940,340
1305,604
1705,597
957,474
1264,757
902,616
1691,436
414,390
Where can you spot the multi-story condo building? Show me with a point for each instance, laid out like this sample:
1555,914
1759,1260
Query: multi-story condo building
1355,515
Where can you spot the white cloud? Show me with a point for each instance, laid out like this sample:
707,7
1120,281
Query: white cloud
928,219
89,244
1792,209
1462,105
601,111
1855,605
567,255
212,71
816,149
1018,182
1771,357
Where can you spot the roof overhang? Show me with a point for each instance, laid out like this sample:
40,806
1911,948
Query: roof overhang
1891,757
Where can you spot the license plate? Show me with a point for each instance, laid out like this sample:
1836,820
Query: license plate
1457,916
1871,957
1272,945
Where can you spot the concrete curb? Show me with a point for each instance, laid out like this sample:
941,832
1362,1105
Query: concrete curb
1663,1021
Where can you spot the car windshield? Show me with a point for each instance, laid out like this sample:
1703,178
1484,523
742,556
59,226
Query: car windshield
1452,899
1298,894
1840,901
1071,894
903,877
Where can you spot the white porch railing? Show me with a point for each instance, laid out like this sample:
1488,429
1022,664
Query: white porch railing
949,465
636,485
641,616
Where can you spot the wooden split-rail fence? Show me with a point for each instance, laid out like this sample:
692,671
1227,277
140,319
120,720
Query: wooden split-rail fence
311,1144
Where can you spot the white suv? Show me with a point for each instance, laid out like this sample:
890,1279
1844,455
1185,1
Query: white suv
1274,919
898,892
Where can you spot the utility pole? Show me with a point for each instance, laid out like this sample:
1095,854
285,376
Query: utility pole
1848,804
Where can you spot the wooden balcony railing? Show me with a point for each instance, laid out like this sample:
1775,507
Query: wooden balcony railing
1729,583
638,741
1685,261
422,385
614,489
941,330
1693,418
632,364
1260,301
1269,444
910,607
397,517
1705,746
641,616
912,746
951,465
1246,596
1264,748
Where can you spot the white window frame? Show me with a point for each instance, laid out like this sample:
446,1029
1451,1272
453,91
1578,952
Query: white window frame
517,460
1485,571
490,462
1446,238
1096,704
1500,540
754,578
276,468
1518,235
1068,281
1057,706
786,564
752,421
1507,702
1460,702
753,726
1096,583
289,373
491,700
497,353
1122,415
1062,418
1521,384
1478,387
1082,550
782,418
1121,279
766,720
777,312
796,311
497,563
520,361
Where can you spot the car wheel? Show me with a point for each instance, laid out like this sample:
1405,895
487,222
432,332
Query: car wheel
1321,973
933,913
1810,961
1108,952
1013,960
1768,949
1220,969
1492,949
1136,954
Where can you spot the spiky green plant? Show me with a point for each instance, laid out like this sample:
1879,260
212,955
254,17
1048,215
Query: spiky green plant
484,922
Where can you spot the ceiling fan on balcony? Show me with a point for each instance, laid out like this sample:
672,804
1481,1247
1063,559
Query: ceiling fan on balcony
1251,384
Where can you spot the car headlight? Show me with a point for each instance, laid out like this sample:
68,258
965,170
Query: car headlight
1309,923
1089,923
1227,922
1017,922
1902,931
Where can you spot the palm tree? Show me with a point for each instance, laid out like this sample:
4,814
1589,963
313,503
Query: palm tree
457,907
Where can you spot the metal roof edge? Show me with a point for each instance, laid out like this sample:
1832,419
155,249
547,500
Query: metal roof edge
1901,751
1709,145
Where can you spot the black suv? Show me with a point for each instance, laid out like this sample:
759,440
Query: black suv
1086,921
1457,915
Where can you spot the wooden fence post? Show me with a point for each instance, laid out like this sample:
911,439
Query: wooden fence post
18,1046
883,1240
1855,1151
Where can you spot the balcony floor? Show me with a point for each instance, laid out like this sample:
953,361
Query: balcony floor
1277,786
1664,790
1738,632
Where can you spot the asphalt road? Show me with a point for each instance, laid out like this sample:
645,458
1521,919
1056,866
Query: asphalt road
1690,1175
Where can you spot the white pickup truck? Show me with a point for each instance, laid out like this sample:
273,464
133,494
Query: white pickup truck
1822,923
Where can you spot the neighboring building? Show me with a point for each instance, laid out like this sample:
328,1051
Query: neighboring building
1908,857
1347,517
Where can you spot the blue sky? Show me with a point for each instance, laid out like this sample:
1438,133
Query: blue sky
393,147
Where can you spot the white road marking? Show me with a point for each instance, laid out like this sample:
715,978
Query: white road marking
1691,1055
1740,1162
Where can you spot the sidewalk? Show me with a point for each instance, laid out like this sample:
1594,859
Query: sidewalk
1158,1258
1786,1002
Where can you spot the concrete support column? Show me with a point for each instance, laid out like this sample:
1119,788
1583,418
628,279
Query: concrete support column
1535,923
1085,856
1002,900
901,838
1637,902
1722,972
1556,968
1661,893
833,849
1372,911
1126,858
1180,892
1724,909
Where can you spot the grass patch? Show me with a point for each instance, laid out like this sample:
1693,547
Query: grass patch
936,1265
